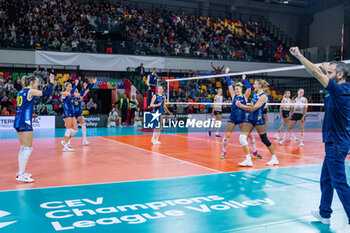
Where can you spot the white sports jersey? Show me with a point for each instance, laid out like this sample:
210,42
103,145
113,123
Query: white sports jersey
219,99
299,108
286,101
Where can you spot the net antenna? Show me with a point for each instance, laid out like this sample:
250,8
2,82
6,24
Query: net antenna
288,68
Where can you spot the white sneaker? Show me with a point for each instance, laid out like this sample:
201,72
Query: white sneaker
294,138
25,174
273,162
281,142
158,142
24,178
67,148
301,144
346,229
63,143
316,214
85,143
154,141
246,163
276,136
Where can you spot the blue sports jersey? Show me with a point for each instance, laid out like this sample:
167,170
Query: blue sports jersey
68,106
77,107
336,122
238,115
24,110
159,99
257,117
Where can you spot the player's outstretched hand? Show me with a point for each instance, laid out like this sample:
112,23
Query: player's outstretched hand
227,70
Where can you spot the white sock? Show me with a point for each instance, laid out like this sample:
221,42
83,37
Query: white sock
284,135
274,157
23,158
291,134
301,136
83,129
157,136
248,157
154,134
224,144
252,143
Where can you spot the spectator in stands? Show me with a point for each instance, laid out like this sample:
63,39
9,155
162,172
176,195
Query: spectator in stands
44,110
114,117
65,47
18,85
5,112
193,93
5,102
140,70
109,46
45,74
59,111
55,99
56,44
93,109
37,72
90,104
9,86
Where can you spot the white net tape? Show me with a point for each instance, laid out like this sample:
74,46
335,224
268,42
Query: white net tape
263,71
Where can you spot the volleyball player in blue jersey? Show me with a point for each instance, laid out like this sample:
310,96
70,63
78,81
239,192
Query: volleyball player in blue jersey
68,114
78,111
238,116
256,120
23,121
158,104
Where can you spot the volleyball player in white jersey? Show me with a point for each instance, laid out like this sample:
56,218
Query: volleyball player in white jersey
298,114
284,112
217,111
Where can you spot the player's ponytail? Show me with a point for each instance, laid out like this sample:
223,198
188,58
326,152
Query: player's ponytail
27,80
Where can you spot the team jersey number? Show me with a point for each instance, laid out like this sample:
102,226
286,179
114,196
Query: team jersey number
19,101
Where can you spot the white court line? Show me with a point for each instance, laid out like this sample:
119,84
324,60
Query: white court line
277,222
301,156
163,155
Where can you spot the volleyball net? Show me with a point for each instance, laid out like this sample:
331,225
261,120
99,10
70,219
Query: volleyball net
199,91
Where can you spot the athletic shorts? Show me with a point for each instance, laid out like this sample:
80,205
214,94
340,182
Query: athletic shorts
297,116
78,114
67,114
217,113
285,114
24,128
265,111
257,122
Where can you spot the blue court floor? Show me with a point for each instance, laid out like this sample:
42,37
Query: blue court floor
276,200
271,200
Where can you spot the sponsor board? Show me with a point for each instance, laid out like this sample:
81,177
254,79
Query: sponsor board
41,122
91,121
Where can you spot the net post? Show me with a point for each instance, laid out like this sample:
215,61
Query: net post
168,92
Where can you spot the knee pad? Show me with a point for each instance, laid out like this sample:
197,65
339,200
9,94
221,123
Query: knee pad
73,132
68,132
265,140
243,140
